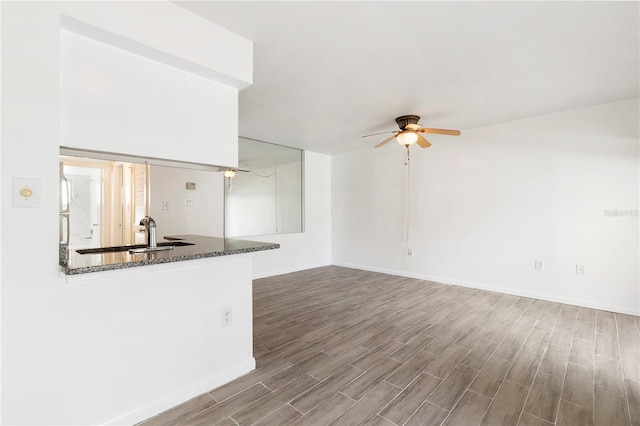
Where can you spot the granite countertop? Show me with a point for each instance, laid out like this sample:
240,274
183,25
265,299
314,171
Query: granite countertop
202,247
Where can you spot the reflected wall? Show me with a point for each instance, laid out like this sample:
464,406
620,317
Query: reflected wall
266,194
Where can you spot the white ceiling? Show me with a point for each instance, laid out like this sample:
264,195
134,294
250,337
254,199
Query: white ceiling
326,73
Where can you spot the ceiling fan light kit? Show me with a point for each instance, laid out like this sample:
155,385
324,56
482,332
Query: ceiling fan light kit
411,132
407,137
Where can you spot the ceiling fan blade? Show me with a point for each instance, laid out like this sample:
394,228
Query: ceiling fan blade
422,141
380,133
412,126
386,141
440,131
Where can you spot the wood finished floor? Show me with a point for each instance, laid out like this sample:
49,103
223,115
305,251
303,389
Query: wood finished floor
338,346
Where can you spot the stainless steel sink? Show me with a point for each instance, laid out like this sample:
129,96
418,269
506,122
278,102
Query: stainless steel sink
138,248
150,249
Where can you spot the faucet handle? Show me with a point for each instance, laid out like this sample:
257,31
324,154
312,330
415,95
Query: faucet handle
147,221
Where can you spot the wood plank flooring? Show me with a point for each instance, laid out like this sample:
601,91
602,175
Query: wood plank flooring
338,346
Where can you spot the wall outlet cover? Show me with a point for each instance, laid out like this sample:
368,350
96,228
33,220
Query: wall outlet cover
226,316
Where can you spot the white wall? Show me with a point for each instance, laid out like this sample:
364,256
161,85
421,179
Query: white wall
104,350
122,346
290,198
485,205
114,100
312,248
267,201
250,204
205,215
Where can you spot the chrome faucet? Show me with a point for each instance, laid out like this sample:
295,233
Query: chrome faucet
150,231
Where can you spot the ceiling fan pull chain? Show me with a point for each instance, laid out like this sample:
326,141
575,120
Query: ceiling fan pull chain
408,195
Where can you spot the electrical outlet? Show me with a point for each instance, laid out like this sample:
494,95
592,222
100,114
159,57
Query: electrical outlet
539,265
226,317
189,202
579,269
410,252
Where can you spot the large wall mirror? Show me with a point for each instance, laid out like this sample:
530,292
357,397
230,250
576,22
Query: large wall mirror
266,194
102,200
103,197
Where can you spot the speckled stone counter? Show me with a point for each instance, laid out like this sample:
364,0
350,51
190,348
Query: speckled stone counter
202,247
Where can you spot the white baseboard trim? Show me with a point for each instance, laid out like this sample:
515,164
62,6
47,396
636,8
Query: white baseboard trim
178,397
496,289
289,270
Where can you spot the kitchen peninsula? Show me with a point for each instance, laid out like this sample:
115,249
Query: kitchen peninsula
197,247
137,79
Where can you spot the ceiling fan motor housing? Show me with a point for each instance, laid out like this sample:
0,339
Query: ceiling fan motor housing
404,120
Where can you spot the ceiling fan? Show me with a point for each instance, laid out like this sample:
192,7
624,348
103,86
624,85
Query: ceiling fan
411,132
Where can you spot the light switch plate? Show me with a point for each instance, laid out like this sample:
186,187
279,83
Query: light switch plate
25,193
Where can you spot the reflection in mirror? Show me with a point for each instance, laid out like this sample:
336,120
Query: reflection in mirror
102,201
187,201
265,195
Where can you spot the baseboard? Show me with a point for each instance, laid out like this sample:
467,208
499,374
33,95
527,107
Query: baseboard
178,397
289,270
496,289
